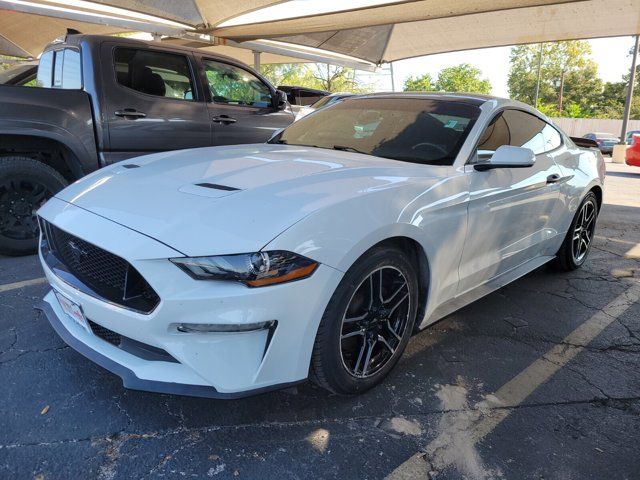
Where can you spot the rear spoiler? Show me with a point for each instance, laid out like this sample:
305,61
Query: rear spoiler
584,142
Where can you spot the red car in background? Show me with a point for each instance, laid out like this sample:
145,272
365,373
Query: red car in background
633,152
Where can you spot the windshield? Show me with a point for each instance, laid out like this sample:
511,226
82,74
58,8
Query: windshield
606,136
409,129
328,100
323,101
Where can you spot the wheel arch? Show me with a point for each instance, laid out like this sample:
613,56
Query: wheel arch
418,255
597,191
50,151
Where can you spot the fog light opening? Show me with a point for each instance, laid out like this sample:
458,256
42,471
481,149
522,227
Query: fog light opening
224,327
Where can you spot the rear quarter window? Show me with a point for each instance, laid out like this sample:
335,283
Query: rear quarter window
60,69
45,70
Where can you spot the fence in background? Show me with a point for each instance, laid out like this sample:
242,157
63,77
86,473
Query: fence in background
577,127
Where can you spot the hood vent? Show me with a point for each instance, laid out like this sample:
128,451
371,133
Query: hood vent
131,165
216,186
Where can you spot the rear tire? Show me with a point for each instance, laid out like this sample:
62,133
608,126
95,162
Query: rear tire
25,185
577,243
363,335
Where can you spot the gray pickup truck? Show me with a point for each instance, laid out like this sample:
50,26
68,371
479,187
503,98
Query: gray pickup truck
105,99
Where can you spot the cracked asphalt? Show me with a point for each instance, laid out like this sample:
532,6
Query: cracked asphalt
539,380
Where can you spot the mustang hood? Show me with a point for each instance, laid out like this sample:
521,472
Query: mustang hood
222,200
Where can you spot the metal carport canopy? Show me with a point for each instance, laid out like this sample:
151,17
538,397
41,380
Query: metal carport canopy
405,29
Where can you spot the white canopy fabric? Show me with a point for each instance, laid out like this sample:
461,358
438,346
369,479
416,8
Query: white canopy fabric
374,35
413,28
27,26
203,13
25,35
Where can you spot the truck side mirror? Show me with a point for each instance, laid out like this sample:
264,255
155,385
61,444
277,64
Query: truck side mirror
280,100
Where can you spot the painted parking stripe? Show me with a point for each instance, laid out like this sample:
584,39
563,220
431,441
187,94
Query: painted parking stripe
24,283
463,427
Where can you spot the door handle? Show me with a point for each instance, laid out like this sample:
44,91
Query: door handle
223,119
129,113
553,178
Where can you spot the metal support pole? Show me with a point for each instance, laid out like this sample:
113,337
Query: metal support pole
627,104
256,60
535,101
561,104
393,82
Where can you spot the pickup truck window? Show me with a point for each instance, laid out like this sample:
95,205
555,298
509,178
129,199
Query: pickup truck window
60,69
154,73
236,86
45,69
71,70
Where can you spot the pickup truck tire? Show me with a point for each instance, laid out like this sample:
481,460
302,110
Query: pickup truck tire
25,185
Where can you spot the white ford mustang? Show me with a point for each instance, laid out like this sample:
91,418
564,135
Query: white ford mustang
228,271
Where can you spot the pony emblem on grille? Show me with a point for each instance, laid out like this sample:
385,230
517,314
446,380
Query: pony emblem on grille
77,251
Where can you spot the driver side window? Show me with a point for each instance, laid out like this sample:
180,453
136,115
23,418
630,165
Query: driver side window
518,129
233,85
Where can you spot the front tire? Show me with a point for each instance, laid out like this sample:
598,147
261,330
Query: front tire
577,244
25,185
367,323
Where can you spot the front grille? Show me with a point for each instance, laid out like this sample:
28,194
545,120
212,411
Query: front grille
104,333
101,272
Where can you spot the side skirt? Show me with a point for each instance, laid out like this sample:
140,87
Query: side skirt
484,289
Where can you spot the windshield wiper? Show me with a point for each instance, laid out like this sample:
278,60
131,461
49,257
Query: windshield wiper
279,141
344,148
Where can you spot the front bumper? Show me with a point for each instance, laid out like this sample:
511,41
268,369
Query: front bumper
219,365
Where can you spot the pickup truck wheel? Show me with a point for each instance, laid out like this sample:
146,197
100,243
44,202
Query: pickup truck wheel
25,185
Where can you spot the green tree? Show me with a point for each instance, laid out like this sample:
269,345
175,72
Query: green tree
614,94
423,83
568,76
285,73
335,78
320,75
462,78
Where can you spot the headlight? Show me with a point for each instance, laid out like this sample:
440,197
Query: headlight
252,269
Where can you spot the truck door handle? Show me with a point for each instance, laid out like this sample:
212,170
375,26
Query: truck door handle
553,178
129,113
223,119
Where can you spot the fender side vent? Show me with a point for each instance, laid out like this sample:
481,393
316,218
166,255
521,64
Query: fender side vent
215,186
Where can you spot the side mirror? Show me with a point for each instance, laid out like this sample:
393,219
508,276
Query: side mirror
507,156
280,101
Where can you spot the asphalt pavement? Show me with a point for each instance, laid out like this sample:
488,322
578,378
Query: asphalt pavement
539,380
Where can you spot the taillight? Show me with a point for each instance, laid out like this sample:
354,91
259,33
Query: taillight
598,142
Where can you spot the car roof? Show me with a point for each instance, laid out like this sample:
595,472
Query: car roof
472,98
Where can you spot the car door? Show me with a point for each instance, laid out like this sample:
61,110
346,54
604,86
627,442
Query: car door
242,107
512,212
152,102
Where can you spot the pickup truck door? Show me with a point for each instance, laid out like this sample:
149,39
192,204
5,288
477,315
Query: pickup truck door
241,106
152,102
513,212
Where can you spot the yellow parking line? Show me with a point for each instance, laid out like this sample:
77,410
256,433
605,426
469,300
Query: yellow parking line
464,426
24,283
